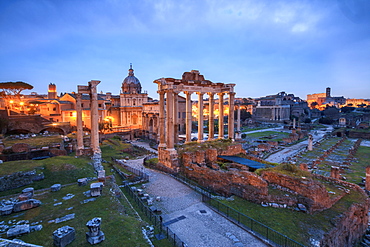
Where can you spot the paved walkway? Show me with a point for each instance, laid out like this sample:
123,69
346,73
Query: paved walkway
144,145
189,218
286,152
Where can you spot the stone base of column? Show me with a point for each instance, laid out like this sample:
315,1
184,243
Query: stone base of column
168,160
96,158
238,136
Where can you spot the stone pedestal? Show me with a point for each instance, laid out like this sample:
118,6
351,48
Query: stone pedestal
94,235
64,236
96,189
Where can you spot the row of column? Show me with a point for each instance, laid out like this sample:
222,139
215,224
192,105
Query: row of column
168,117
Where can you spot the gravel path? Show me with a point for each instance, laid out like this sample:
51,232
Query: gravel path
197,225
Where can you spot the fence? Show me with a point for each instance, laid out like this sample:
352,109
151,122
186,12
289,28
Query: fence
240,219
137,172
155,219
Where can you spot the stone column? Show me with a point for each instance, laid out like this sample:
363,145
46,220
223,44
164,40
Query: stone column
94,118
221,115
161,129
80,140
367,182
169,118
188,117
238,120
238,134
310,140
231,115
293,123
211,120
200,117
175,117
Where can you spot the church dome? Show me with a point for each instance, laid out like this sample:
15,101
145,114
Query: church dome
131,84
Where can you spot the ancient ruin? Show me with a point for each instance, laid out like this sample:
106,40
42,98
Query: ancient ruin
191,82
94,235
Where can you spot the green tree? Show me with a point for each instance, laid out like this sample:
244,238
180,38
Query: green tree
14,88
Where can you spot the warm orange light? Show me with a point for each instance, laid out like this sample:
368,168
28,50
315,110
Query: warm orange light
22,103
11,101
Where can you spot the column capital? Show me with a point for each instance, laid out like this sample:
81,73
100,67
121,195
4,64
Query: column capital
231,93
210,94
221,94
200,93
93,83
188,92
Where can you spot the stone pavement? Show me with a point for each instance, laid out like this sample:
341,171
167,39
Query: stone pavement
190,219
286,152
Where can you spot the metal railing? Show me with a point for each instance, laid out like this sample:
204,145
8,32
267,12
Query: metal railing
262,231
133,170
155,219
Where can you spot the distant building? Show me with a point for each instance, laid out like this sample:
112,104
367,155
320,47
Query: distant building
132,109
322,100
280,107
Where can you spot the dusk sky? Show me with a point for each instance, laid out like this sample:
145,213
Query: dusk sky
264,47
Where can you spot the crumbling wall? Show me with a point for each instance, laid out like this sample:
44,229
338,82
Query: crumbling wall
349,227
19,179
316,193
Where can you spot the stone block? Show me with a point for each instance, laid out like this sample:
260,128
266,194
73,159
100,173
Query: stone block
101,176
18,230
6,210
64,236
95,235
29,190
96,189
55,187
20,148
82,181
24,205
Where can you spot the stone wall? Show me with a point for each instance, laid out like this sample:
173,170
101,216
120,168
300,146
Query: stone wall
349,228
317,197
19,179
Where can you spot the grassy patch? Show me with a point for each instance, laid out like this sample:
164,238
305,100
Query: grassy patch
358,169
298,226
268,135
118,226
59,169
37,142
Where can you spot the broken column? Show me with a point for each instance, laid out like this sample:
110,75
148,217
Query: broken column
95,235
310,141
334,172
64,236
